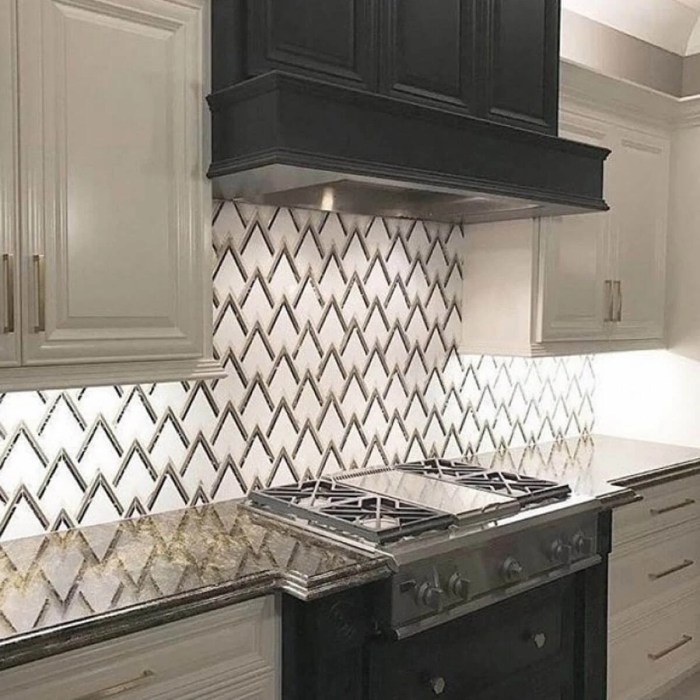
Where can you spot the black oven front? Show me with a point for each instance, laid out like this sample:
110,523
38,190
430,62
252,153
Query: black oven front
549,643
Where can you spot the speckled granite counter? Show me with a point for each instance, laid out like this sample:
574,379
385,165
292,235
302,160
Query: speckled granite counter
608,468
69,589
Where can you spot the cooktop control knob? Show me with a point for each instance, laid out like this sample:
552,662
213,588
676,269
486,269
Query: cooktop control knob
583,546
459,586
560,552
512,571
432,596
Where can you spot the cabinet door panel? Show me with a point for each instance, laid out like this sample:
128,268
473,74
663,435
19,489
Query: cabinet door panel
639,207
574,260
114,244
9,215
322,38
522,64
429,50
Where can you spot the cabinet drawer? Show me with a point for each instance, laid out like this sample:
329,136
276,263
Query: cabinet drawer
210,654
662,506
664,565
653,651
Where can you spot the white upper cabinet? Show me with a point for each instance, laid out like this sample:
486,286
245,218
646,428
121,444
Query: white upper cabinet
639,220
9,213
115,250
574,257
577,284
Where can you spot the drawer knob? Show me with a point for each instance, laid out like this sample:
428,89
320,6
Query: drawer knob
540,639
437,685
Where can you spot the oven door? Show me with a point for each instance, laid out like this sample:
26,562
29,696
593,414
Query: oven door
523,647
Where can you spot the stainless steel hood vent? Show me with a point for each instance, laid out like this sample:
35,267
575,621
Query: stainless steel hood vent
376,197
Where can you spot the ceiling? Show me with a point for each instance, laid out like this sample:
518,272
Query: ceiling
673,25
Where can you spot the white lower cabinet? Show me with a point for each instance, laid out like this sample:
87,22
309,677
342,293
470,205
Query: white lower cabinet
228,654
654,592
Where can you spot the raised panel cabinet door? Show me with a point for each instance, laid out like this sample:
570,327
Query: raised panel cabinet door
428,51
521,77
573,291
9,213
116,257
326,39
639,216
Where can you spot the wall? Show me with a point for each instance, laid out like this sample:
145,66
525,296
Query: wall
608,51
339,339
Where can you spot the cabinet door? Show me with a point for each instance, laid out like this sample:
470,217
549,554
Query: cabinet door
522,63
9,216
322,38
115,253
428,51
572,297
640,177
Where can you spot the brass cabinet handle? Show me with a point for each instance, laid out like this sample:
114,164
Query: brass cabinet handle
8,265
39,273
676,506
120,688
609,302
685,639
617,286
662,574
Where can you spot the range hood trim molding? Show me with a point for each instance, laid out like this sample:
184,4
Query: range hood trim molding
279,119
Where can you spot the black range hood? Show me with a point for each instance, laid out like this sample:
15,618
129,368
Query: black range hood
298,137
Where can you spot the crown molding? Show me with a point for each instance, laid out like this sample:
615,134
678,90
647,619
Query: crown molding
589,88
586,87
688,112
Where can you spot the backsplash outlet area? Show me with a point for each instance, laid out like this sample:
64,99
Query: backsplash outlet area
338,334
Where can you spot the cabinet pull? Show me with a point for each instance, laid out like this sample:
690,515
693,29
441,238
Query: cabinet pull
662,574
675,506
685,639
8,264
40,294
114,690
617,286
609,303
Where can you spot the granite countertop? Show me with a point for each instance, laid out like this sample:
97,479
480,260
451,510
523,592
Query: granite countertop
66,590
69,589
608,468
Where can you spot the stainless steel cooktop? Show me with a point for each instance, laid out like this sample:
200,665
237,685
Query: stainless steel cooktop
458,536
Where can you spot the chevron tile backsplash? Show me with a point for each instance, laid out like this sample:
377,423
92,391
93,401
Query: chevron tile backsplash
339,339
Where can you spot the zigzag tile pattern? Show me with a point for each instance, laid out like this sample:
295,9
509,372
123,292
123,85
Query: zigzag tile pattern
339,339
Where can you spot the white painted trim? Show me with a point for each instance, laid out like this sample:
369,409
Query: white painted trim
552,349
588,88
108,374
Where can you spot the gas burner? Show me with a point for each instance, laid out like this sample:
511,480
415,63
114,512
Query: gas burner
371,516
527,489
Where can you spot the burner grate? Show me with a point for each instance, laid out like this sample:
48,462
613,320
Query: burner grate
527,489
371,516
